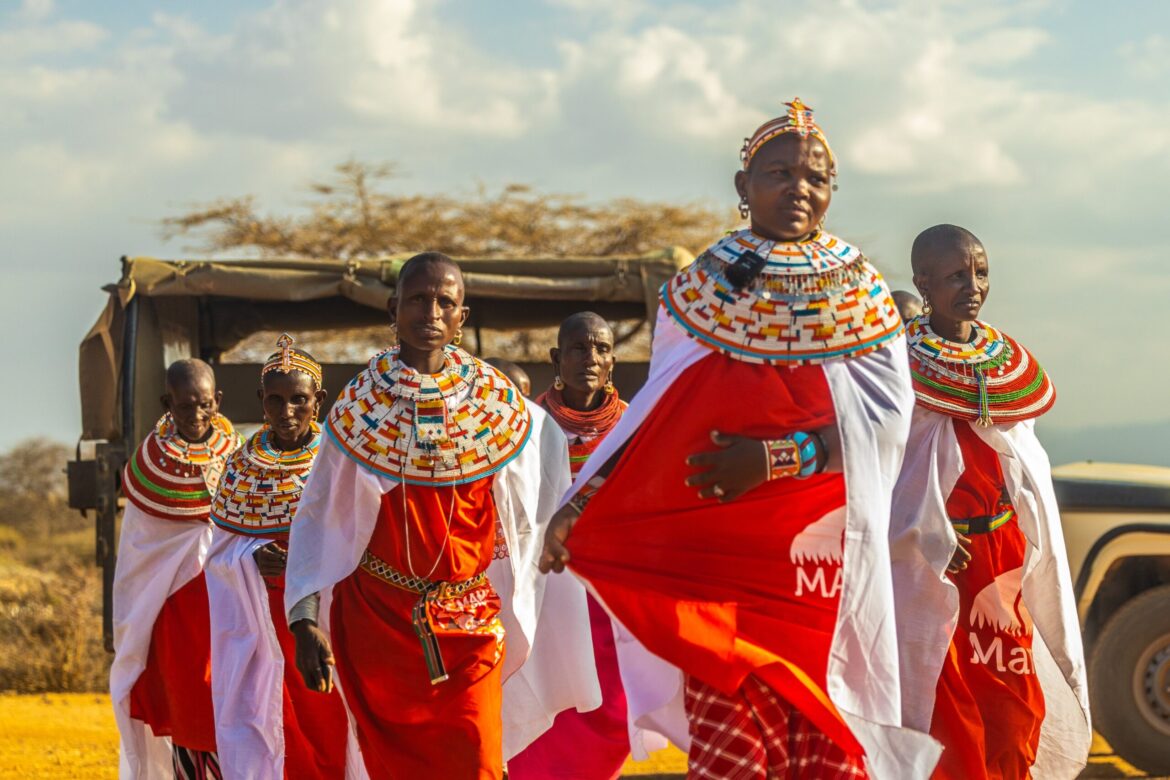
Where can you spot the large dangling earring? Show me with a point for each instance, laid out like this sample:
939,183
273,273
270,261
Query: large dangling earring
744,211
458,338
558,383
926,307
609,385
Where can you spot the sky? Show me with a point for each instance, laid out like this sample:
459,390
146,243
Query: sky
1041,125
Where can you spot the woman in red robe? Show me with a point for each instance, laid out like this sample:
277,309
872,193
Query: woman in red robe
975,481
583,401
426,452
280,729
160,681
766,582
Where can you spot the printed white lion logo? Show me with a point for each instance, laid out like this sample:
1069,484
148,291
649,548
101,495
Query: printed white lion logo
821,540
1001,605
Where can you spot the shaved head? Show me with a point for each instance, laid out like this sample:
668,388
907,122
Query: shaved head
582,321
909,305
937,241
416,264
189,371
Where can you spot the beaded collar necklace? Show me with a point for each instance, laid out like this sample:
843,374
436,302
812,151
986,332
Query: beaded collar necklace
222,440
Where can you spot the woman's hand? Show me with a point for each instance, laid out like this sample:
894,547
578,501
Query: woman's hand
962,555
314,656
556,554
740,464
271,559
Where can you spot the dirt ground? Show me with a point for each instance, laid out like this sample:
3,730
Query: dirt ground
59,736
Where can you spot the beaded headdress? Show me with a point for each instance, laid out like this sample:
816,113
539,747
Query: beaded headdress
798,119
287,359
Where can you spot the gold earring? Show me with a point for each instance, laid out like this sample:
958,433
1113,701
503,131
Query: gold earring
926,307
558,383
458,338
609,385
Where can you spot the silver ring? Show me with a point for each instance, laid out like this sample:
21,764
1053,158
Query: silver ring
717,491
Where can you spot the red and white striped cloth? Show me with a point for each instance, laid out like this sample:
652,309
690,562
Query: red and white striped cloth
755,735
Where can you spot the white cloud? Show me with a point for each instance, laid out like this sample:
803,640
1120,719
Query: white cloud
934,110
1147,59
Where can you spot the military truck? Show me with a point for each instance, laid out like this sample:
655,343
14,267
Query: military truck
1117,528
164,310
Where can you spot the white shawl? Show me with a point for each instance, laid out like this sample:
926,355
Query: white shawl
548,664
156,557
928,604
873,401
247,666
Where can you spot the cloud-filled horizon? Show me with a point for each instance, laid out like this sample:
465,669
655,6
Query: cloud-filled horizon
1041,126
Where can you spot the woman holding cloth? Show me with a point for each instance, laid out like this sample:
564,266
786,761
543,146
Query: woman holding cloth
758,587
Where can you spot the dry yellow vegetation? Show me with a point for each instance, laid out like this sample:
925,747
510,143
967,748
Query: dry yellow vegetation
57,735
72,735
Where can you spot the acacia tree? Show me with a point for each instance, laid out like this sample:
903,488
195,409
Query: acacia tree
352,216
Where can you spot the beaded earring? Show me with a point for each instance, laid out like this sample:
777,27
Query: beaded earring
744,211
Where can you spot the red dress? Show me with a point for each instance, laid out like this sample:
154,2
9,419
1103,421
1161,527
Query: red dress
173,693
726,591
407,727
988,706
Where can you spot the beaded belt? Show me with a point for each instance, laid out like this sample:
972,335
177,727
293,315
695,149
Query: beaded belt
982,525
420,616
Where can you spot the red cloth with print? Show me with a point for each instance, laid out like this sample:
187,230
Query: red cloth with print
754,735
315,726
988,705
173,693
406,726
724,591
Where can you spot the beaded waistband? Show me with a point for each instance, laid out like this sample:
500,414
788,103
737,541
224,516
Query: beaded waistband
378,568
984,524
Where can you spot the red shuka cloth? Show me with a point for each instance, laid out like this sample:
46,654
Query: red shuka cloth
717,589
315,726
406,726
988,706
173,693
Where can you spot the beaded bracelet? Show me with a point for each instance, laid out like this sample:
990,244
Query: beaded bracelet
587,491
797,456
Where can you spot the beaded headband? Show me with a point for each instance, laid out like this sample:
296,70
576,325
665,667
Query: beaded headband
798,119
287,359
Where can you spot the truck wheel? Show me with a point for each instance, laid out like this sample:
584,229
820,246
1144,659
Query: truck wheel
1129,681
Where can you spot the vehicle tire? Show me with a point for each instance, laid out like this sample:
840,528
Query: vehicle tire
1129,681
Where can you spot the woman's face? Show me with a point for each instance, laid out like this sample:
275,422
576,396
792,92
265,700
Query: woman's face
290,403
584,356
428,308
955,282
788,187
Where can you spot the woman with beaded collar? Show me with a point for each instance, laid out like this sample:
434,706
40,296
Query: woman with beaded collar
761,596
160,679
279,729
986,614
436,641
585,404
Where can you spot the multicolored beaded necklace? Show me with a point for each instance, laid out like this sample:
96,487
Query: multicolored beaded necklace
261,485
990,379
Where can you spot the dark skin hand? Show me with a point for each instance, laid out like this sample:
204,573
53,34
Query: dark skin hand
290,403
583,358
962,555
740,463
314,656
